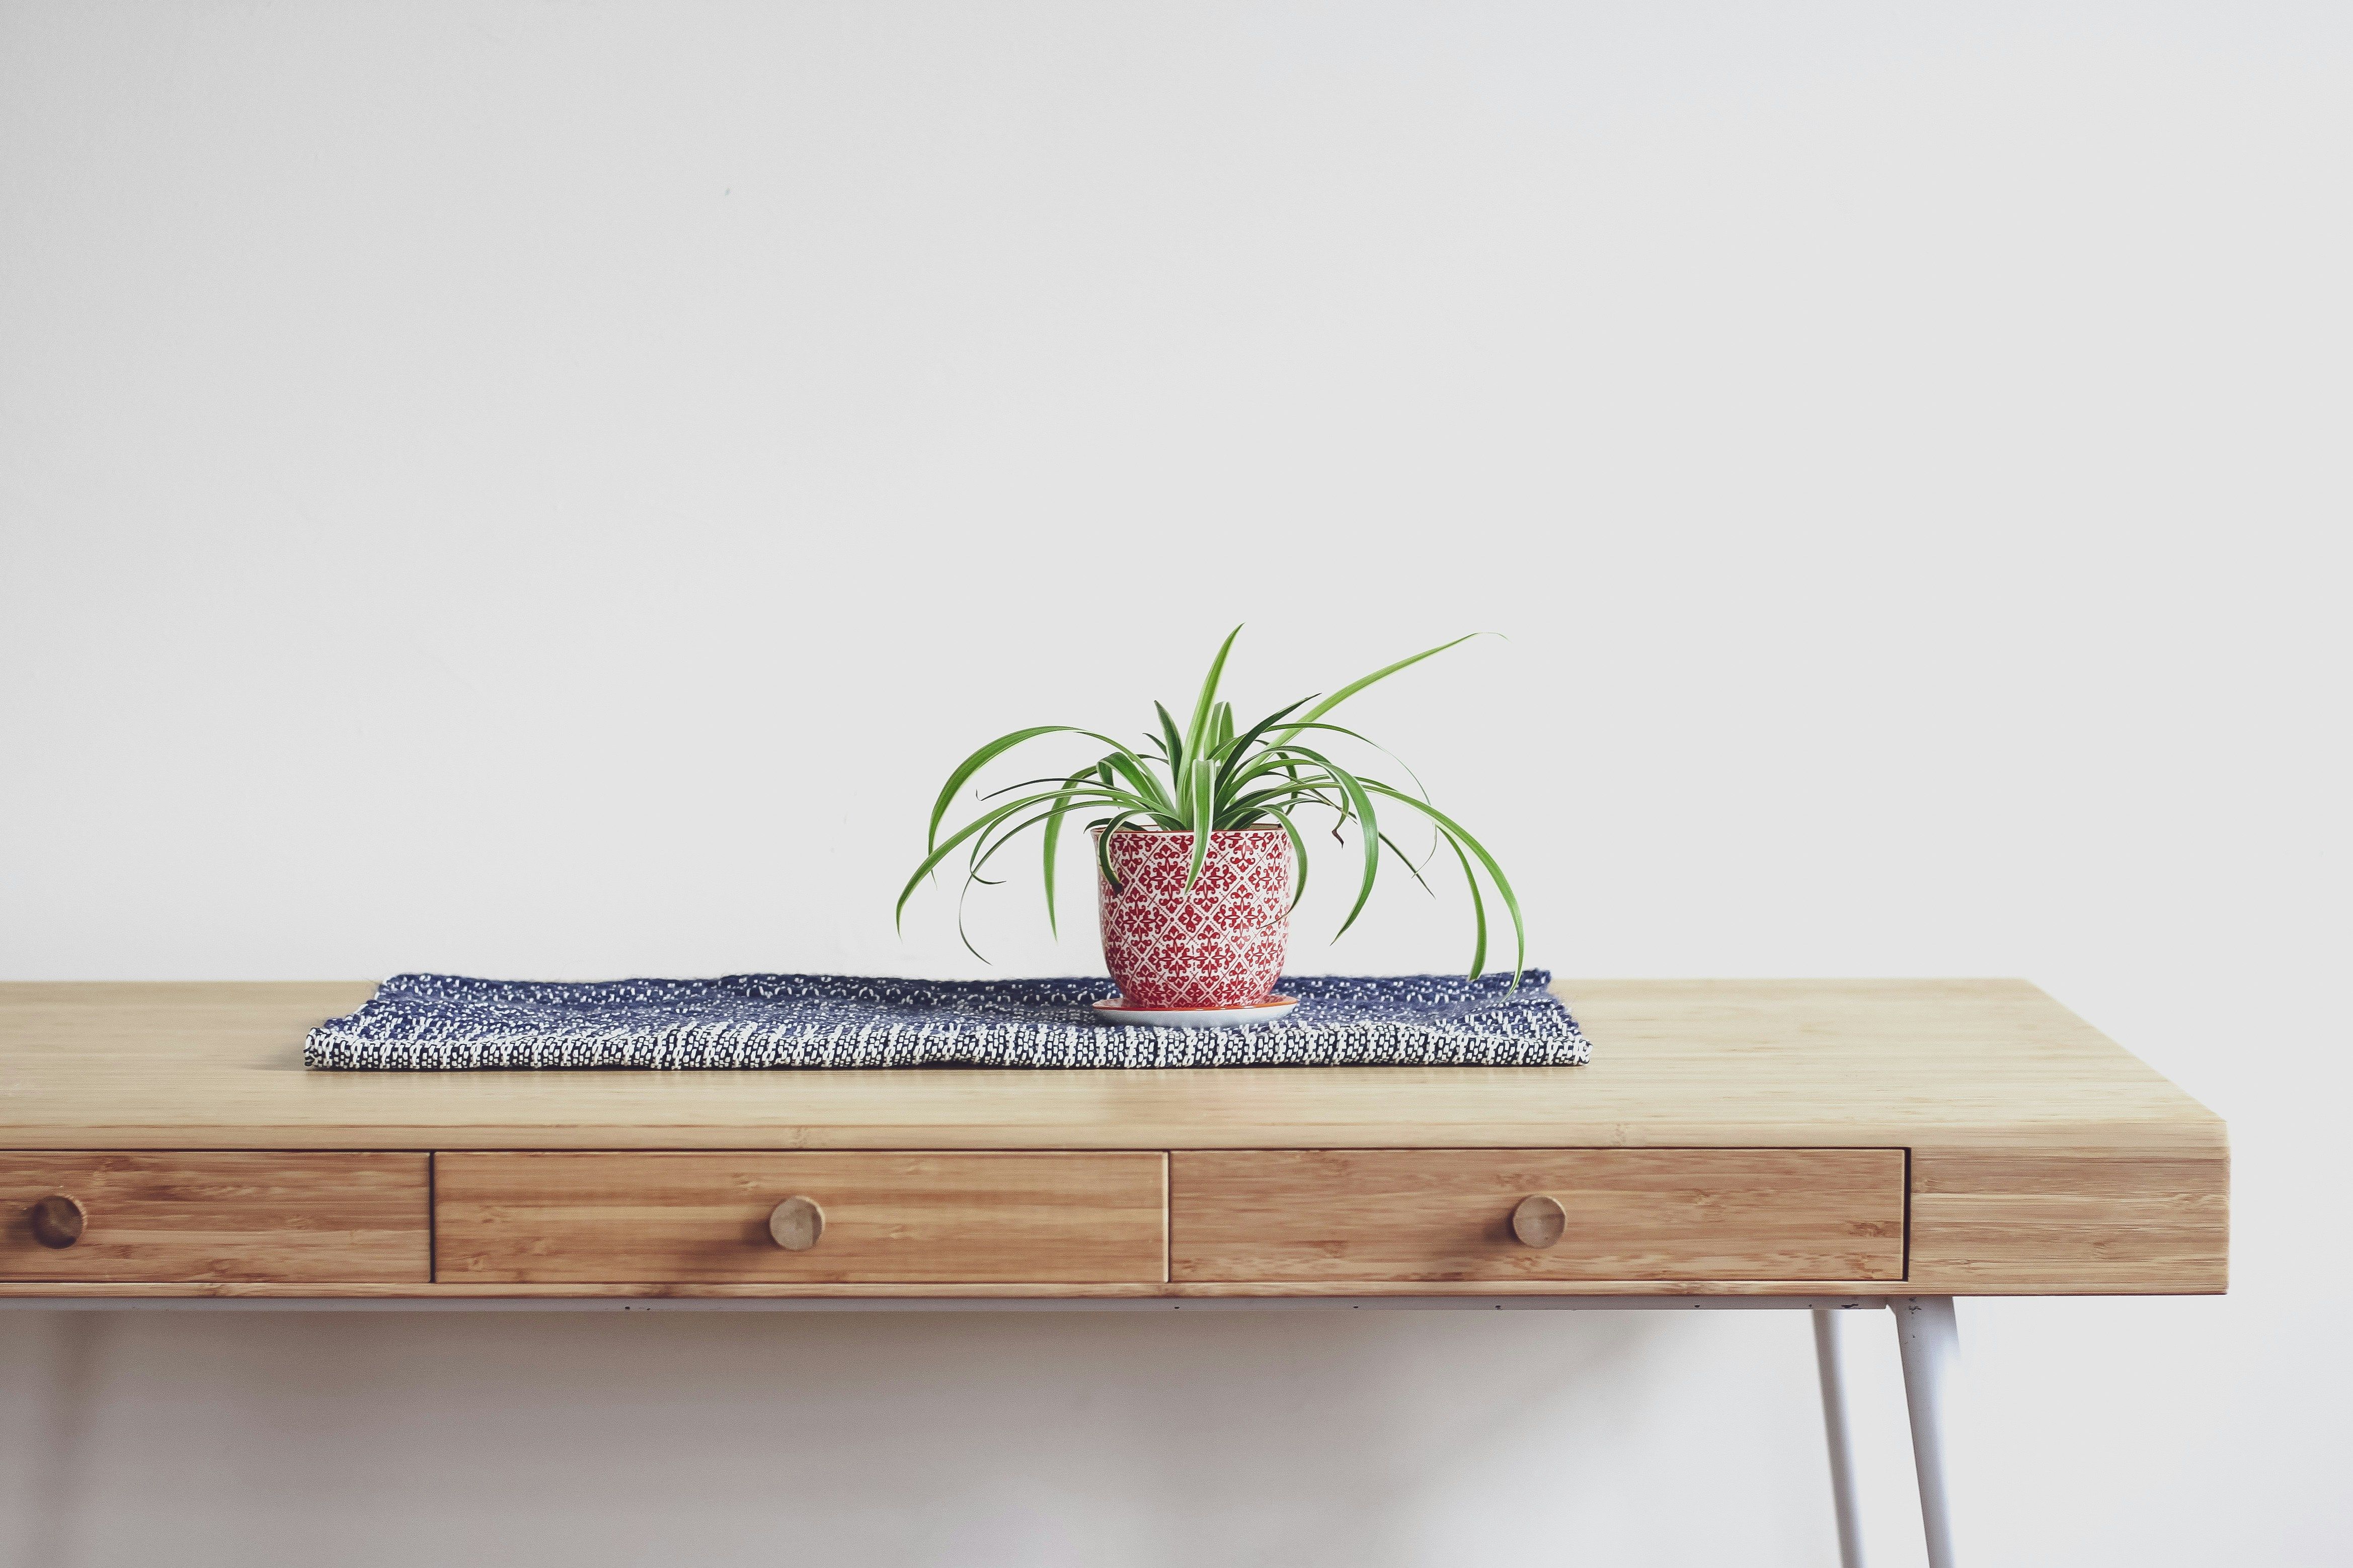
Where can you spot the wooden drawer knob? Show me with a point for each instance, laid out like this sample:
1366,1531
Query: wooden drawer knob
797,1223
1539,1220
56,1220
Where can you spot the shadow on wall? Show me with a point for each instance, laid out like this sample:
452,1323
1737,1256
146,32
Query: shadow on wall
1307,1438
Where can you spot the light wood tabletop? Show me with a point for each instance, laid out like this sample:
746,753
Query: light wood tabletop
2037,1155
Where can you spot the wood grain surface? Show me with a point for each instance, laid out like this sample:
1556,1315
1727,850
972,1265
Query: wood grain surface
1697,1063
2085,1222
628,1215
2045,1158
1447,1214
213,1215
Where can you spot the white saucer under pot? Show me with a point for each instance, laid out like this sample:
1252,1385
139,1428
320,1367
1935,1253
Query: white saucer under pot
1112,1010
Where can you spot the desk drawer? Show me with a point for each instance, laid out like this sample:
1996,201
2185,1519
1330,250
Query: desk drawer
612,1217
1621,1214
164,1218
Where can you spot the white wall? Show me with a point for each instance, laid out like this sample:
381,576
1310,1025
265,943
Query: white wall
547,490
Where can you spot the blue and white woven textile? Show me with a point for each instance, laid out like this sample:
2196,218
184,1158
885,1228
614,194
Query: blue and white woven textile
445,1021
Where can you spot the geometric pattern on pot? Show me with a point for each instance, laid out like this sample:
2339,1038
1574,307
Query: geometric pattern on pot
1217,944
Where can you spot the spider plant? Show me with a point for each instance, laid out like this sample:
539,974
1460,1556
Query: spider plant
1210,774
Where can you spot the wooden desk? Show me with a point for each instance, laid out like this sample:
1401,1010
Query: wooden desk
1781,1141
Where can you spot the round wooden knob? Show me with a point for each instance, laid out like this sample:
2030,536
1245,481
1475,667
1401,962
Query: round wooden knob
1539,1220
56,1220
797,1223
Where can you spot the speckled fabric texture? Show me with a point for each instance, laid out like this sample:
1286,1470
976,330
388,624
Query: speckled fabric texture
448,1023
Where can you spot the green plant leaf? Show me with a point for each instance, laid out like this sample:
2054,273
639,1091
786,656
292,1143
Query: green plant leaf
1381,674
1299,852
1407,861
1360,805
1053,837
1254,804
998,747
1238,750
973,765
1204,813
985,847
1176,758
1102,847
1478,913
996,841
1342,730
942,851
1198,731
1494,872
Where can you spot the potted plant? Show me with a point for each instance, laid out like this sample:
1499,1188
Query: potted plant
1199,850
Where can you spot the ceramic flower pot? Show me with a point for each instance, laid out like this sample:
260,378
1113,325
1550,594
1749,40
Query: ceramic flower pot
1217,944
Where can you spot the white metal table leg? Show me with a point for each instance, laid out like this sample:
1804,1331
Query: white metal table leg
1842,1442
1931,1342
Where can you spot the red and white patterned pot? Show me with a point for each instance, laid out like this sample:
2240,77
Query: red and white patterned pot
1217,944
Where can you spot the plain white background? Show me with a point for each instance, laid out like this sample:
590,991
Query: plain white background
549,489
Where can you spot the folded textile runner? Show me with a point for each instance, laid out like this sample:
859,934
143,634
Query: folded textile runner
445,1021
